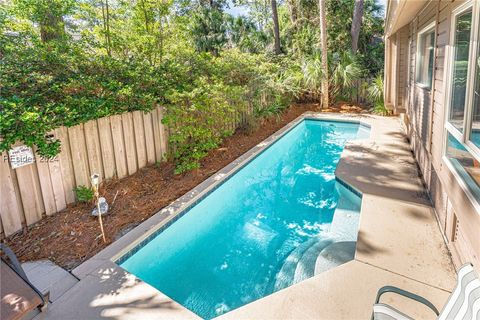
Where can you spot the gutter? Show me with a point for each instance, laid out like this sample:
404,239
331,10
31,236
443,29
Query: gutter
415,8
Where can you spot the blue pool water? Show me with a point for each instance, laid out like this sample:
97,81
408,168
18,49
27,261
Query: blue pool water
263,229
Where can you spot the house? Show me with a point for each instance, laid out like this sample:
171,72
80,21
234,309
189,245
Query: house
432,79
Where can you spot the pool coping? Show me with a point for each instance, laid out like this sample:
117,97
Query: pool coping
104,286
124,247
200,192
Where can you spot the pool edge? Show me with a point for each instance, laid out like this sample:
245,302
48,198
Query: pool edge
145,231
200,192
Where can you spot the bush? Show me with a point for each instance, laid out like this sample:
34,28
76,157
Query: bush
201,115
84,194
44,88
375,94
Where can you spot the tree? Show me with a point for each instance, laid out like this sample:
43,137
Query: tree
356,24
292,11
106,26
276,27
209,30
244,35
324,49
48,14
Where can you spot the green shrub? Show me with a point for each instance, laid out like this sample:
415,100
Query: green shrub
44,88
380,108
249,125
84,194
200,115
375,94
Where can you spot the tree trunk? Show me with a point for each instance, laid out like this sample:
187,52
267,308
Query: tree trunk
292,9
276,28
356,24
107,11
160,35
324,48
52,27
106,26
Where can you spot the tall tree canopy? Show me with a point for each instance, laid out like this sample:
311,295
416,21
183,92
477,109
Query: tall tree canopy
63,62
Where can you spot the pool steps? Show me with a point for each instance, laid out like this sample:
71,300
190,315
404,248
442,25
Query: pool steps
334,255
285,276
311,258
306,265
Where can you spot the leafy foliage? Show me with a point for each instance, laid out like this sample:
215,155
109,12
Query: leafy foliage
209,30
375,93
48,86
84,194
345,70
64,62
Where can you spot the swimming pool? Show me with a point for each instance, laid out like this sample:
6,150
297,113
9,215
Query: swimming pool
280,219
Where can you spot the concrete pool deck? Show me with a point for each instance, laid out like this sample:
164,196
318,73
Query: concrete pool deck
399,244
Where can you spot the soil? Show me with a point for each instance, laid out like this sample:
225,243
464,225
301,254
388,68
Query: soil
72,236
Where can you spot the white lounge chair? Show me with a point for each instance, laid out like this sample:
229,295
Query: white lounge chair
463,303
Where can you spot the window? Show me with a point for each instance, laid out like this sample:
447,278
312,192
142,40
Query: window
461,46
426,46
475,128
463,97
464,163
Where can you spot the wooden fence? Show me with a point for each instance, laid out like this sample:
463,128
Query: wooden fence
114,147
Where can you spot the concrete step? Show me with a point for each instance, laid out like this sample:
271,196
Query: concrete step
334,255
47,276
306,265
284,277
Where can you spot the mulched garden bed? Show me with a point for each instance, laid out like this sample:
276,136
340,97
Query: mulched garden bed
70,237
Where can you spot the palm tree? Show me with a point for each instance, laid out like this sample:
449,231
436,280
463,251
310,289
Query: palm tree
324,48
276,27
356,24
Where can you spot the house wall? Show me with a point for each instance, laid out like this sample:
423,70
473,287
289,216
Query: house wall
424,119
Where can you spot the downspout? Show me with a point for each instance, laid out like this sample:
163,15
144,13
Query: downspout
434,71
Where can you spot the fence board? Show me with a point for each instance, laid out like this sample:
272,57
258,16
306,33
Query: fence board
106,146
113,146
157,136
163,132
130,150
45,184
31,195
149,140
78,150
13,174
10,212
118,146
139,135
56,178
66,166
94,153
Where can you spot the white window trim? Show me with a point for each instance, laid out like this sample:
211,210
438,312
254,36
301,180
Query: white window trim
475,51
448,73
474,201
462,137
418,55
